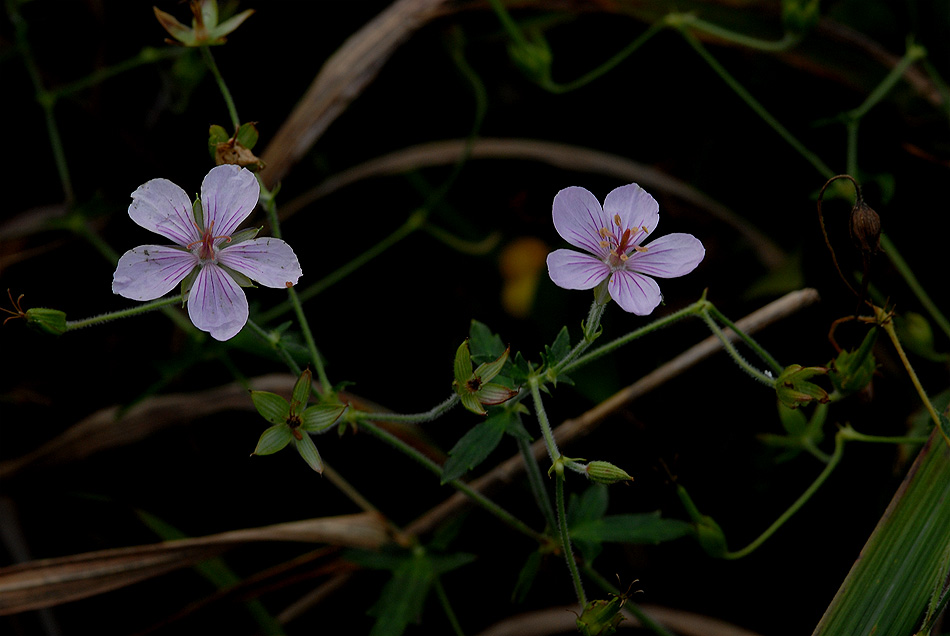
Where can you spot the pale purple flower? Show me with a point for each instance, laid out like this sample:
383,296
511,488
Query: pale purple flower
612,236
216,302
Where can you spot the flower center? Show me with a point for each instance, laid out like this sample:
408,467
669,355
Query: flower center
620,240
205,244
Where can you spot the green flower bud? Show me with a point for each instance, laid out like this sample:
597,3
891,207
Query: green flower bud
851,371
601,617
710,536
533,58
52,321
606,473
799,16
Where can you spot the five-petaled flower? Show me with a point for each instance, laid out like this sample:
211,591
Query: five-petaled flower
612,235
207,246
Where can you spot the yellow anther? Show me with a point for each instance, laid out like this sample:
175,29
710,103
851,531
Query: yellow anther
617,219
639,249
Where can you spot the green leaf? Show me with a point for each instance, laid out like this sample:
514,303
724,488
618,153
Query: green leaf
403,596
271,406
526,577
559,349
308,450
273,439
474,447
485,345
633,528
892,582
320,417
590,506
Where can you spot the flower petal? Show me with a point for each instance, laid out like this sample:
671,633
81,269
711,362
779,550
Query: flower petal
635,207
634,292
228,195
151,271
217,304
573,270
162,207
668,256
578,218
269,261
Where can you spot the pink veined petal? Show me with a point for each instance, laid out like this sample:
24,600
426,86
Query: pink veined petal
269,261
635,206
228,195
216,303
668,256
573,270
634,292
578,218
151,271
162,207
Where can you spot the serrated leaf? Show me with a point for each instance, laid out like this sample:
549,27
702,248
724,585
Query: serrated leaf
273,439
271,406
474,447
647,527
559,348
485,345
403,597
308,450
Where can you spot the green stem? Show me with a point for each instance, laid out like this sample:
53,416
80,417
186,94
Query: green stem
447,607
829,467
760,110
734,353
545,424
689,20
536,482
914,53
607,66
566,539
315,357
901,265
222,86
414,418
888,326
487,504
764,355
507,22
273,339
72,325
45,99
691,310
147,55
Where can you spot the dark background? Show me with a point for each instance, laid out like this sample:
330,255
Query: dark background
393,327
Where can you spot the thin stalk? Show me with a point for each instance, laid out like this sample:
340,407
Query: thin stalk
734,353
566,541
315,357
760,110
487,504
885,322
545,424
413,418
447,607
692,310
680,20
607,66
274,341
536,482
764,355
829,467
901,265
222,86
72,325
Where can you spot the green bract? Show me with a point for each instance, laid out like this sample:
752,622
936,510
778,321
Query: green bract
473,387
294,420
204,29
794,388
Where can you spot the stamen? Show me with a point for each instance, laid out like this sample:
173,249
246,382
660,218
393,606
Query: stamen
617,220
